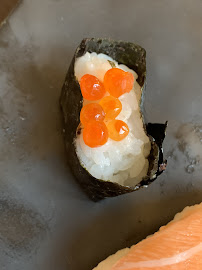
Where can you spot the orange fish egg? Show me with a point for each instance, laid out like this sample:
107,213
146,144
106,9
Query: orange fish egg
112,107
117,130
92,111
91,88
118,82
95,134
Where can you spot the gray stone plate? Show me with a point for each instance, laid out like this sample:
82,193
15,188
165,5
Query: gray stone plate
46,221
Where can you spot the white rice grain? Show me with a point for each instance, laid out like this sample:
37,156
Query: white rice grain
124,162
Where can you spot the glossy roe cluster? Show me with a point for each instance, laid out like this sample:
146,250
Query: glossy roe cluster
98,117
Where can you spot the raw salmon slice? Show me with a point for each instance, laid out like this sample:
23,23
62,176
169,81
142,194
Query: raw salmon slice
176,246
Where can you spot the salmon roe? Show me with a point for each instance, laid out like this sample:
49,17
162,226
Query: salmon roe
112,107
117,129
95,134
118,82
92,111
91,88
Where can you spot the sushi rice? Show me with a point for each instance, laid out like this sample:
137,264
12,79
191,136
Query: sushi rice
124,162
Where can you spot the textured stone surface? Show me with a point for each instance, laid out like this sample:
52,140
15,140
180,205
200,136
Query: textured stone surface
47,222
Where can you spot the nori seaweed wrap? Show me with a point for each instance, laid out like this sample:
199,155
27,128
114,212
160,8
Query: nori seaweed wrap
134,57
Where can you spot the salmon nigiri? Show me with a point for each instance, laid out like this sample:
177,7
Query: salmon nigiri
178,245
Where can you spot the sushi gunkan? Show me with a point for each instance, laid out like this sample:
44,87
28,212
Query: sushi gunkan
110,149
